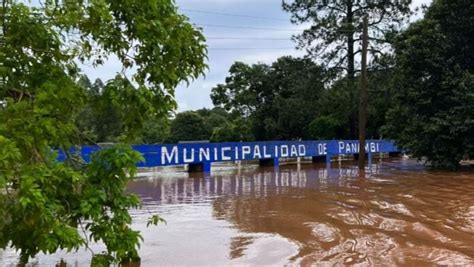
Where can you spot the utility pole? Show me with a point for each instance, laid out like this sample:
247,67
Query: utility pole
363,95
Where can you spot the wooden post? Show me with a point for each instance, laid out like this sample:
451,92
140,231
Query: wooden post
363,95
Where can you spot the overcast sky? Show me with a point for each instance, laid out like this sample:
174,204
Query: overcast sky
252,48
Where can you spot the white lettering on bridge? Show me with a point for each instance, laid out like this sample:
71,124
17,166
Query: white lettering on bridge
353,148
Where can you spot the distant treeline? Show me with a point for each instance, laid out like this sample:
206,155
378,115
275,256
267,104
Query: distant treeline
287,100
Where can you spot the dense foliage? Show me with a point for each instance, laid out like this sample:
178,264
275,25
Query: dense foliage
43,203
434,113
277,100
289,100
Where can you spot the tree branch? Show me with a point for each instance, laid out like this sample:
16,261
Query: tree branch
381,18
337,9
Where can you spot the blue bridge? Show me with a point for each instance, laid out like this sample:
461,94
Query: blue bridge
200,156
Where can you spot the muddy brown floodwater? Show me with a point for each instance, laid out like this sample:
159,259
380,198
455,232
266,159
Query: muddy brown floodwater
400,214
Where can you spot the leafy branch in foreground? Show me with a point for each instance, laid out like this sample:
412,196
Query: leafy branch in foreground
43,202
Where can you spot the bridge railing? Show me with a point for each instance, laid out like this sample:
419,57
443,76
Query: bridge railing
206,153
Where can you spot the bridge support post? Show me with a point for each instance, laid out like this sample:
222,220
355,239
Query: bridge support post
356,156
394,154
368,156
200,167
319,159
269,162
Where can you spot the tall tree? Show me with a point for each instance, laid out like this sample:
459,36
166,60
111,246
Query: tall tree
43,202
335,35
434,110
300,85
363,96
244,88
280,99
336,28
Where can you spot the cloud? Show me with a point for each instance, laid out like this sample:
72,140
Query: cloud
196,96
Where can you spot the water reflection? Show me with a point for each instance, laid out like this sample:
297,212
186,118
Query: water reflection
398,214
255,182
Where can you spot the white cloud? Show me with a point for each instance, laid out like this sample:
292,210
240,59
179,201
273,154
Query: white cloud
196,96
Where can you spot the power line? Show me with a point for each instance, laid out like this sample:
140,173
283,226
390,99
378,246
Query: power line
247,38
231,14
249,48
248,27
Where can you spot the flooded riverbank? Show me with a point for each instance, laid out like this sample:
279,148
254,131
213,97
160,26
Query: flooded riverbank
400,214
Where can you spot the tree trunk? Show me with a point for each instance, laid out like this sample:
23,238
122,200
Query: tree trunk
363,96
350,42
351,69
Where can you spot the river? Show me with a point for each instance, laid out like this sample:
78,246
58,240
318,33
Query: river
400,214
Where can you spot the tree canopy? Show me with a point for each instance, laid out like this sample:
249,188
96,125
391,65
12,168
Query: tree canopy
43,202
290,100
334,37
188,126
335,32
434,103
277,99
